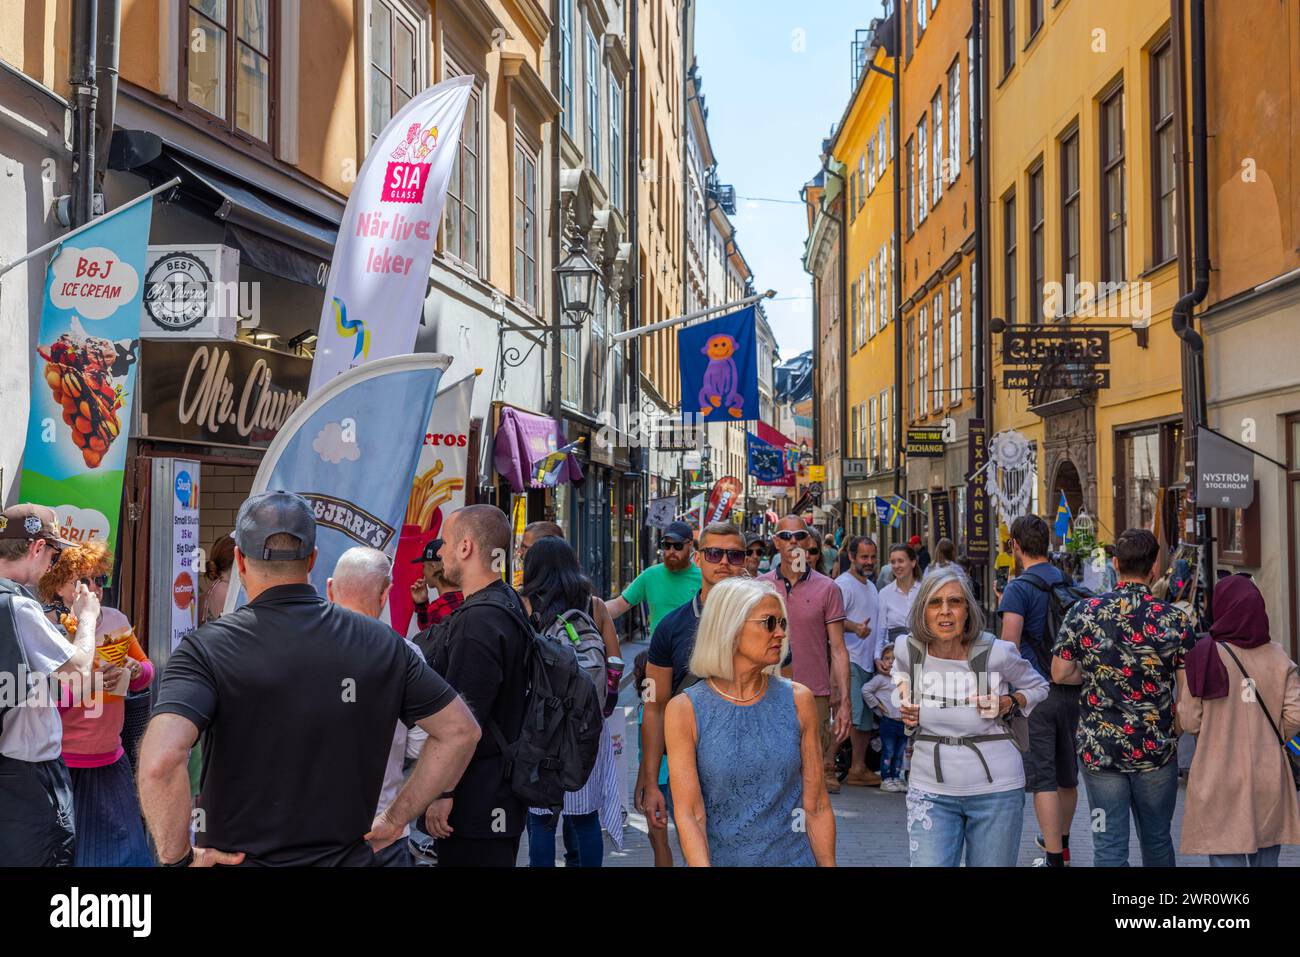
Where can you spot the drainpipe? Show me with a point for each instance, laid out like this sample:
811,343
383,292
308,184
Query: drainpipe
844,343
895,133
106,57
81,77
1193,344
638,459
978,373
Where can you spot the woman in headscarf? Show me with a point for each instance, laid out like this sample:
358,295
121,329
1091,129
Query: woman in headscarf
1241,692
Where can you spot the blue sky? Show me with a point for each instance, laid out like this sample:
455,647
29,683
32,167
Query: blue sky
775,78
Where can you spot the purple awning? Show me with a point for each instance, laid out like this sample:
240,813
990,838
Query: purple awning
522,440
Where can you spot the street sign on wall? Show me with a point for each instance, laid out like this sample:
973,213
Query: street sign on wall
977,503
925,443
1225,472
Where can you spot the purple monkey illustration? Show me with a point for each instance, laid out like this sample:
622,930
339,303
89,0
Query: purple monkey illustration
720,377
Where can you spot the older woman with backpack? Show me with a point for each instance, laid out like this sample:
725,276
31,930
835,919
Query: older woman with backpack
1241,802
963,693
558,598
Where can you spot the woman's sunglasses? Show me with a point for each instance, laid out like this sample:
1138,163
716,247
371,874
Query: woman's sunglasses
787,536
99,580
734,556
770,622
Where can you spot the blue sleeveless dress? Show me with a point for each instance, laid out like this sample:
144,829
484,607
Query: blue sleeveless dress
750,770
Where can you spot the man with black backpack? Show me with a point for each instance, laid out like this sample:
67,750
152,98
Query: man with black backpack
1032,607
541,716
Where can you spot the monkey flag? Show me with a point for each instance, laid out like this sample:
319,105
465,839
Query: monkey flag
719,368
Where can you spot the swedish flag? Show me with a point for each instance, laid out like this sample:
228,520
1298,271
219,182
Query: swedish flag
1063,516
891,510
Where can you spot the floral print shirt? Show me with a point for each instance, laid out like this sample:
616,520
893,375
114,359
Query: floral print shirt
1129,646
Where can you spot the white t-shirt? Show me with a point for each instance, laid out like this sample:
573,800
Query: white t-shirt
895,606
33,731
859,606
948,708
407,743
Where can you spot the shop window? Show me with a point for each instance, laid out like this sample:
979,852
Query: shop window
1238,533
1150,480
228,64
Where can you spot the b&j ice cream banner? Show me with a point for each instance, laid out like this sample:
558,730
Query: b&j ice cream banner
84,375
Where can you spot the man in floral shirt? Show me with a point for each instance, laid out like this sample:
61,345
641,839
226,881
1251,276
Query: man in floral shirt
1129,649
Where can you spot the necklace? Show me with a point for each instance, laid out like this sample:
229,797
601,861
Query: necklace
732,697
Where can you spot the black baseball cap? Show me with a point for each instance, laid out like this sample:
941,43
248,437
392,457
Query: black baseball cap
678,532
275,513
430,553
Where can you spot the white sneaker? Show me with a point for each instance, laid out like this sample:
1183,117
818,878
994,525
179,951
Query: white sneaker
890,785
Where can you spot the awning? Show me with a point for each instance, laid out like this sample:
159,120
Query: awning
273,234
524,439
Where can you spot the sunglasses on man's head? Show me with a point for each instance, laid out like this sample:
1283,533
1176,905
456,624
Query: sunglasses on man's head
672,546
734,556
787,536
770,622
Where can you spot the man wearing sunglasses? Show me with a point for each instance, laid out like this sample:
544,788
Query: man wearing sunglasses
667,586
721,556
815,608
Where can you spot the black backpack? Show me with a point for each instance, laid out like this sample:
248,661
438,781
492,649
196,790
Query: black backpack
556,748
13,656
1061,597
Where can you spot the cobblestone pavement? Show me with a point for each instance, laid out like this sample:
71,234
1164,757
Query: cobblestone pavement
871,826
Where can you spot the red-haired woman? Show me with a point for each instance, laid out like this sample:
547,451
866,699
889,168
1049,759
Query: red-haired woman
110,832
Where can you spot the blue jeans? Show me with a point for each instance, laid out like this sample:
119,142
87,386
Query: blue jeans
893,743
1264,857
1150,796
584,845
986,826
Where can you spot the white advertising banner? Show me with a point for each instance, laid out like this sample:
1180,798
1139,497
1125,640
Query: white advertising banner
375,293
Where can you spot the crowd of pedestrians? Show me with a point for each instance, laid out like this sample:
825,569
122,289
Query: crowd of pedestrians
779,669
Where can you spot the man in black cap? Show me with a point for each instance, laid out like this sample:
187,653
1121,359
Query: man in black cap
296,698
670,584
36,825
449,598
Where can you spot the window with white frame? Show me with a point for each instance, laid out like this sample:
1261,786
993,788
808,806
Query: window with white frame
871,435
592,111
598,355
615,141
882,271
936,318
923,362
954,120
862,180
954,339
920,18
862,308
885,429
871,164
970,95
525,222
566,64
853,432
974,301
871,299
853,317
394,75
882,149
461,214
570,374
228,64
936,111
911,369
922,181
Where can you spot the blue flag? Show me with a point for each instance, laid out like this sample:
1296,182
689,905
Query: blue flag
766,461
1062,526
351,450
547,469
891,510
718,361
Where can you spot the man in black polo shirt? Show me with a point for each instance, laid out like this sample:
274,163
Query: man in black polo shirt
721,555
296,699
483,656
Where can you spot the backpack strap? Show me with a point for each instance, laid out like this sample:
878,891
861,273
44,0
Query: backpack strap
916,654
977,656
506,748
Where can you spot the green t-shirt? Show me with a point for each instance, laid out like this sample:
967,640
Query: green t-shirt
663,590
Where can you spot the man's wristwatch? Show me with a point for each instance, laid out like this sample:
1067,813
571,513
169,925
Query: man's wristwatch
185,861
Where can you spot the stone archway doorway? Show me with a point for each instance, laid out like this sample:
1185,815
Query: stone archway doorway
1066,480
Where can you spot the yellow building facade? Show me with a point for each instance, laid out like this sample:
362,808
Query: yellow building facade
1083,229
863,150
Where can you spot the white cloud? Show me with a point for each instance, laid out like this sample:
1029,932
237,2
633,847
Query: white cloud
332,447
92,282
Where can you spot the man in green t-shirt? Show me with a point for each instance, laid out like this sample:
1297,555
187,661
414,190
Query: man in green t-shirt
667,586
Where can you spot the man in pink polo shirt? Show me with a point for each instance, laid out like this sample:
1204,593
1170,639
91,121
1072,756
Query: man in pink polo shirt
820,660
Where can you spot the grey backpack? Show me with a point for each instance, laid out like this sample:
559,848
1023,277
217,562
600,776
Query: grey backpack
576,630
1015,730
